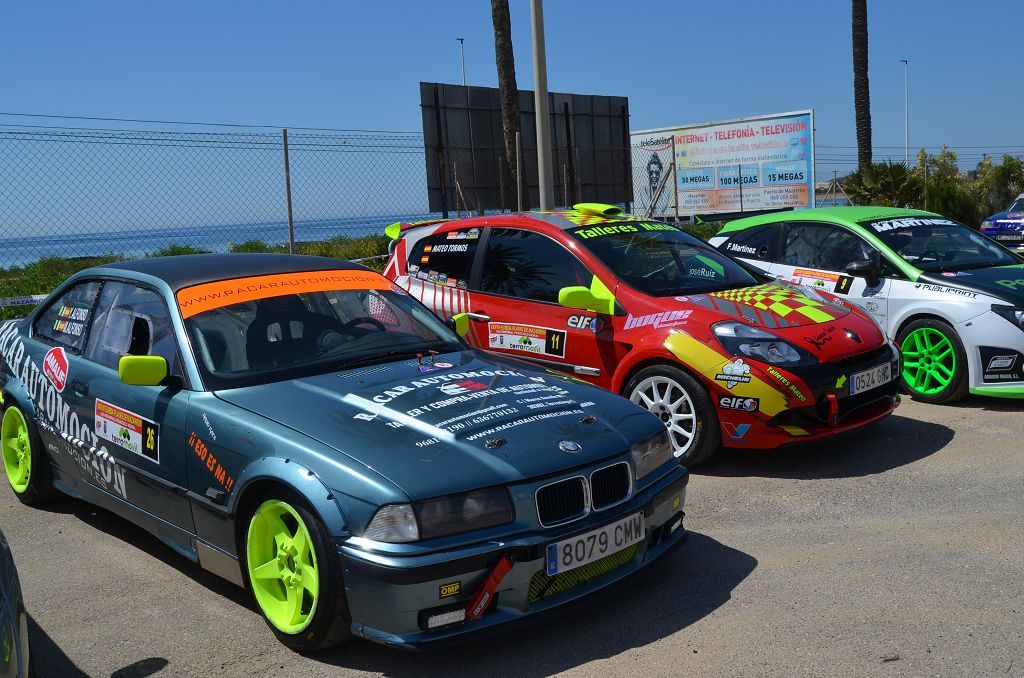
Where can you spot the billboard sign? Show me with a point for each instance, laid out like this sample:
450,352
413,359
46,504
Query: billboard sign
743,165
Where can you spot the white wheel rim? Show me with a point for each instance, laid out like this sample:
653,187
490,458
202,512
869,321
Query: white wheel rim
667,400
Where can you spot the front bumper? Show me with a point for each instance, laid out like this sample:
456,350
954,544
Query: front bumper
391,598
828,409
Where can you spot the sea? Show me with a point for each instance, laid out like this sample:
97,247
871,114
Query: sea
134,243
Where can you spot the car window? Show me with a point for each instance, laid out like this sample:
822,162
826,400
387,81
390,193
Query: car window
938,244
65,322
445,257
760,242
529,265
823,246
131,320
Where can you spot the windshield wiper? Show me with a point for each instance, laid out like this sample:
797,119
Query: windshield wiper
376,358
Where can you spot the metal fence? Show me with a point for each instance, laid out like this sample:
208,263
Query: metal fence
81,192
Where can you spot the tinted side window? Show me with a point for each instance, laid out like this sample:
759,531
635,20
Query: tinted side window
131,320
529,266
822,246
445,256
66,321
761,242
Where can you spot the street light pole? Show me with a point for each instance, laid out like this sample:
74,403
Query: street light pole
540,106
906,111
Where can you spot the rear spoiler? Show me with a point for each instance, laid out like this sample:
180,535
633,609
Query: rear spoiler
395,230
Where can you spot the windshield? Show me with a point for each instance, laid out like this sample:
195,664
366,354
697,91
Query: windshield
939,244
661,260
1017,206
311,331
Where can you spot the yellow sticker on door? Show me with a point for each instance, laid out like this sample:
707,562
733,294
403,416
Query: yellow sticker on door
128,430
526,338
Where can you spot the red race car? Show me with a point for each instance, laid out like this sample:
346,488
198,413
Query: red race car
721,352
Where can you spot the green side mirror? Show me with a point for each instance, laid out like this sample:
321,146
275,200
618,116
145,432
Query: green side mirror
579,297
460,323
142,370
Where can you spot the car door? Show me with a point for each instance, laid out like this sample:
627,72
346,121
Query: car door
817,254
514,306
142,427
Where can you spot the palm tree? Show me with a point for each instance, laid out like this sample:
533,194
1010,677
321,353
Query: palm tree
861,95
508,91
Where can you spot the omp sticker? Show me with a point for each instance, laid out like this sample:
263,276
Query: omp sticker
128,430
451,589
527,338
208,296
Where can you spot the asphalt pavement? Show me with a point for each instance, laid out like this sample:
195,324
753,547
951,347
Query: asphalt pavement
896,551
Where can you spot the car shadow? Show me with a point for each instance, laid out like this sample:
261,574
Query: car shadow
894,442
130,533
47,657
690,584
989,404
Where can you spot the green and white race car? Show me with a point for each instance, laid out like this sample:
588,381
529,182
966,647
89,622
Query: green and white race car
951,298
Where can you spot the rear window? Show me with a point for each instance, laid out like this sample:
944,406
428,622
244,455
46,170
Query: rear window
445,258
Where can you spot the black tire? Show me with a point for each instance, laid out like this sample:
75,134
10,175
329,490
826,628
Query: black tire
40,488
928,389
331,622
706,437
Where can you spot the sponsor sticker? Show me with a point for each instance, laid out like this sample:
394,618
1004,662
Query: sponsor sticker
450,589
947,290
55,367
735,431
665,319
585,322
128,430
1001,364
736,372
739,403
883,225
527,338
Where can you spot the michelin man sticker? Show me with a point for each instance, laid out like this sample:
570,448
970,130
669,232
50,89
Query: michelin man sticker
736,372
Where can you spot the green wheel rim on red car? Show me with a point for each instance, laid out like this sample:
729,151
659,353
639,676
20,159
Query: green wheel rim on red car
929,361
17,449
282,566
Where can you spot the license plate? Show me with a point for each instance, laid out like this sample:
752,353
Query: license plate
869,379
585,548
1008,237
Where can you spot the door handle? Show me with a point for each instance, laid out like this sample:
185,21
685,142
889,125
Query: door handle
79,387
479,317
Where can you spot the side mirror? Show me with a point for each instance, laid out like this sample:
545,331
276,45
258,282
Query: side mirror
142,370
865,268
460,323
579,297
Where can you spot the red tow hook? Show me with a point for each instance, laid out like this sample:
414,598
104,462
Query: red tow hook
482,600
833,409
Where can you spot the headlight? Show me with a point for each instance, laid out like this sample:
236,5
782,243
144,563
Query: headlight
395,523
740,339
987,223
651,453
1014,314
464,512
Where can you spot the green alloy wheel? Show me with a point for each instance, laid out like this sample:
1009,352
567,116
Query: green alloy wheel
282,566
295,576
17,449
28,470
934,364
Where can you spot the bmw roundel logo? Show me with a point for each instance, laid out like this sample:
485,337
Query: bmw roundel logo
570,447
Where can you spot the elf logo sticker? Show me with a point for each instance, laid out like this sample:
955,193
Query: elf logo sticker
55,367
736,372
736,403
735,431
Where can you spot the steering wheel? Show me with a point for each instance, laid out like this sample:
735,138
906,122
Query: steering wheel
362,320
934,253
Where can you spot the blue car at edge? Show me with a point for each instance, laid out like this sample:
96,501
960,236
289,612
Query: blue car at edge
302,427
1007,227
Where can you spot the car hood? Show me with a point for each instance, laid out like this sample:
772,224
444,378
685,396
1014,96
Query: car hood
1002,282
471,420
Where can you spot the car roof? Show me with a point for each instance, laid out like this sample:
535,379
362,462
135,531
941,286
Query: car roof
562,219
195,269
848,216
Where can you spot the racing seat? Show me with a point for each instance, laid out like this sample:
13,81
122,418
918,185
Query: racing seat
284,331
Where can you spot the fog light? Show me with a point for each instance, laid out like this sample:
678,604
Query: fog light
446,618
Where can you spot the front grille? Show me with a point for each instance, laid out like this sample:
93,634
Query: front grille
544,586
609,485
562,501
864,358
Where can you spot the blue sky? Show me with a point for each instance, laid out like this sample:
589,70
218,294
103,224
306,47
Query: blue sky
357,64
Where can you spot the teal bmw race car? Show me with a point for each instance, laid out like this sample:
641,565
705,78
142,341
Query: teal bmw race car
952,299
303,427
